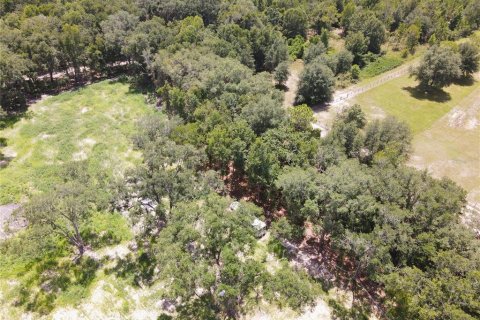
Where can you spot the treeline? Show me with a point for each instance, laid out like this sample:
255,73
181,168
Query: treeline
224,127
40,38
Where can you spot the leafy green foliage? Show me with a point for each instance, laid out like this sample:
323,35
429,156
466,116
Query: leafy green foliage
301,117
295,47
282,73
200,248
440,66
470,58
294,22
316,84
225,144
388,139
313,51
371,27
380,65
12,66
65,210
292,290
344,61
299,189
356,43
263,114
394,226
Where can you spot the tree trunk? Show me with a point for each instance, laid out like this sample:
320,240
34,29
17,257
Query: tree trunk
80,245
81,249
78,242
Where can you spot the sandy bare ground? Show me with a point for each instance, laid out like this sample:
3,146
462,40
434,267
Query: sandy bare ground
295,69
451,148
325,114
6,212
319,265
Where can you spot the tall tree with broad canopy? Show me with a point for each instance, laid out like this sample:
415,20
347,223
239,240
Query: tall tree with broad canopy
295,22
66,209
439,68
316,85
205,252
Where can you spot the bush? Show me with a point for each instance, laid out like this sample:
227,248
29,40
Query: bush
344,61
281,73
313,51
355,72
380,65
316,85
295,47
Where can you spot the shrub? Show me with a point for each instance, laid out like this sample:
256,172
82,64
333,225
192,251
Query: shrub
316,84
355,72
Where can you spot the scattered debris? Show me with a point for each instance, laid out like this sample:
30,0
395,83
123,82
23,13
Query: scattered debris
260,227
234,206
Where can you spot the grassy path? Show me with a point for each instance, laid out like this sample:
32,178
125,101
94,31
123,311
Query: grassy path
295,69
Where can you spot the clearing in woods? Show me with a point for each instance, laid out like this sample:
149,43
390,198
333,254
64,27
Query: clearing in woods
445,124
93,122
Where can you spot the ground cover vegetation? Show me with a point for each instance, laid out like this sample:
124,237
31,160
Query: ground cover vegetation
221,135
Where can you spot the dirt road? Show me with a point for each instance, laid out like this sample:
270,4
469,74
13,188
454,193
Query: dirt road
325,114
295,69
342,98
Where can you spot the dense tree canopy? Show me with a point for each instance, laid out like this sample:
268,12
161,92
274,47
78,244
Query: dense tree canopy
221,133
470,59
316,83
50,37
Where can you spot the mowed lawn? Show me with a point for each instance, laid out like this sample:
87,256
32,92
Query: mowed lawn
451,147
446,127
402,99
95,122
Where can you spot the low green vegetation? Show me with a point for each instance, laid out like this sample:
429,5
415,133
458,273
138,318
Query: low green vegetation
35,259
94,123
221,188
413,105
90,129
380,65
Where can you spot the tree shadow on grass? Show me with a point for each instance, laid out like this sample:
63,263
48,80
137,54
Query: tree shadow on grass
465,81
432,94
139,83
51,278
140,269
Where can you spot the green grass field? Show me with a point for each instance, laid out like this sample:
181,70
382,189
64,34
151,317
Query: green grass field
95,122
446,133
455,152
402,99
